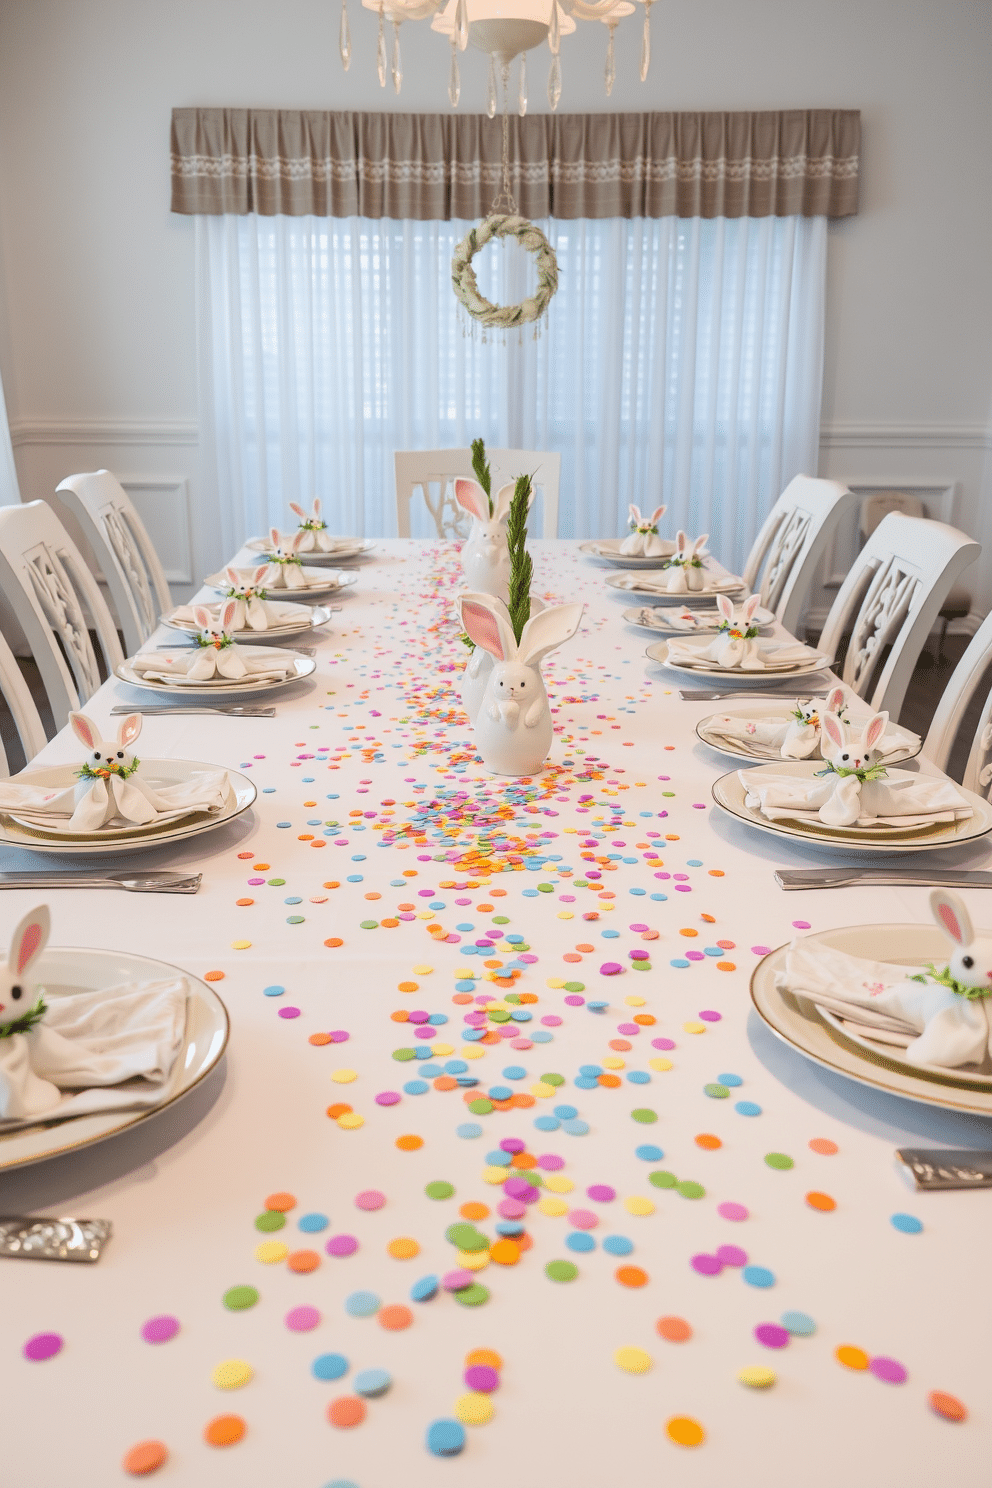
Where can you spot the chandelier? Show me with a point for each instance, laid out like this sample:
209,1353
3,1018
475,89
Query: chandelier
505,29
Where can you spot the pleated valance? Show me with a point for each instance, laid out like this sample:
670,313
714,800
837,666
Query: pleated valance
433,167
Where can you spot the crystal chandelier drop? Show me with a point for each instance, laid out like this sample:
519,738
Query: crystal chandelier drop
505,29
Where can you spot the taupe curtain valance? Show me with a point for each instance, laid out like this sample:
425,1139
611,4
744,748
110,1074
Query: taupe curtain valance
431,167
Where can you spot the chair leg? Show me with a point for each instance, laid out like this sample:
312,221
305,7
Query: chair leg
942,639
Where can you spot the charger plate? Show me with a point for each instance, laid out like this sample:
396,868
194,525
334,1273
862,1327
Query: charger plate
607,549
764,753
295,620
656,620
659,652
798,1023
318,581
205,692
729,793
344,548
720,583
63,970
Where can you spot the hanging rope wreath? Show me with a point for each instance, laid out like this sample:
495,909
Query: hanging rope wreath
466,286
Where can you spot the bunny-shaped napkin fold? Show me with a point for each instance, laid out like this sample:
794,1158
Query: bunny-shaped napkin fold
684,570
284,566
650,582
643,541
254,611
800,736
216,656
87,1052
312,535
938,1018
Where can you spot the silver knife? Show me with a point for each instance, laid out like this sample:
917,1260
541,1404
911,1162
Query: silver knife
233,710
701,694
293,650
153,882
840,878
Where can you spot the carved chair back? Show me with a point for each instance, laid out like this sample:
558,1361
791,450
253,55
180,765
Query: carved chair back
435,471
22,709
56,600
120,540
792,540
957,698
892,597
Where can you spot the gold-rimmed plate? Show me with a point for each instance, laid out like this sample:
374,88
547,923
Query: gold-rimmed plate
765,753
607,550
292,621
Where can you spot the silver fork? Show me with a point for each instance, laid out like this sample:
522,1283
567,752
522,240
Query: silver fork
153,882
233,710
293,650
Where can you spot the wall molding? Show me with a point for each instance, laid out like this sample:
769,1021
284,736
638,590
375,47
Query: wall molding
905,436
173,432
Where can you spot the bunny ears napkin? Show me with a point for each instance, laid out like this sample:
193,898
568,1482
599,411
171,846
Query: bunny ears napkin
737,646
284,568
643,540
312,535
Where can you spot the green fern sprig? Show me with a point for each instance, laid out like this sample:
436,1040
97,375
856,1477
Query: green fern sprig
521,567
482,472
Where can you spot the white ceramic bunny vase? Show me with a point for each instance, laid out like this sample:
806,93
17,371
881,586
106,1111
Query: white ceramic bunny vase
970,964
19,996
108,785
736,641
685,567
643,540
219,656
312,536
513,729
284,569
851,796
478,668
485,557
252,611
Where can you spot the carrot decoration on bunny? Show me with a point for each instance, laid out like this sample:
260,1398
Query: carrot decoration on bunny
252,611
643,540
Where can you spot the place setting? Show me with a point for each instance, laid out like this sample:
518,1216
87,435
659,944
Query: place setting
737,649
641,548
257,618
688,578
215,664
311,541
770,730
685,621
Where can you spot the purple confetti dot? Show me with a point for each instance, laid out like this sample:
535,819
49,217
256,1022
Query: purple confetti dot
511,1209
528,958
708,1015
683,889
573,1000
699,805
629,1029
254,882
482,1377
387,1098
601,1193
639,929
512,1144
889,1370
611,968
695,956
771,1335
734,1212
289,1012
662,1043
800,924
731,1255
663,875
550,1162
43,1346
417,1015
706,1265
680,877
340,1036
427,1032
302,1319
457,1281
160,1329
341,1245
639,955
761,950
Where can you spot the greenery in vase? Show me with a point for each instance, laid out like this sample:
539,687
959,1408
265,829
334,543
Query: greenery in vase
521,566
482,472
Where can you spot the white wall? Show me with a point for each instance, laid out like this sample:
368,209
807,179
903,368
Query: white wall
97,330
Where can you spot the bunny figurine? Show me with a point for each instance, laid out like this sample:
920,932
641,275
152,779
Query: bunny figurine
736,644
970,965
855,767
685,567
479,666
21,1005
312,535
252,612
219,656
513,729
643,540
284,567
485,558
107,786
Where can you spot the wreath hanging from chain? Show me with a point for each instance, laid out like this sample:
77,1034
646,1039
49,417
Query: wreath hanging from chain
504,221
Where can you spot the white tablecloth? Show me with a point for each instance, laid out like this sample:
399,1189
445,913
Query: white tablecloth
386,683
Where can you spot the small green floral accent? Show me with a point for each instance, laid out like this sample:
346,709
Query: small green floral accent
246,591
466,640
676,562
283,558
726,628
871,772
220,644
26,1021
644,529
104,772
311,525
944,979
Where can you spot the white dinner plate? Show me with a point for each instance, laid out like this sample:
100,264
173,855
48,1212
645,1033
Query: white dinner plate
765,752
729,793
119,840
319,581
206,691
659,652
64,970
294,619
345,548
658,622
796,1021
607,549
718,583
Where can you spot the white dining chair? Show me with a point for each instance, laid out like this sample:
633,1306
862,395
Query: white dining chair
891,597
957,605
55,597
794,536
124,551
435,471
958,698
20,705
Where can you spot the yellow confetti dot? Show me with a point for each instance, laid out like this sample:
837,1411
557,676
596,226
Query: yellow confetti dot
634,1001
271,1251
472,1051
693,1027
422,970
541,1090
684,1431
240,945
555,983
464,971
344,1076
350,1121
232,1374
633,1360
473,1260
636,1204
612,1062
660,1064
558,1183
757,1376
423,914
475,1409
565,914
403,1248
553,1208
494,1175
442,1050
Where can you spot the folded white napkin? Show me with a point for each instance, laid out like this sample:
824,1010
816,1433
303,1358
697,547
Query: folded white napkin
96,803
646,583
77,1059
898,799
643,540
939,1026
773,733
252,613
186,666
312,535
728,653
702,622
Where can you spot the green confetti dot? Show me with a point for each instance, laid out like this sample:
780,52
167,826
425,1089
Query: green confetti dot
522,947
403,1055
715,1091
472,1296
690,1190
466,1237
370,924
780,1160
513,997
501,919
499,1015
552,1079
237,1298
294,919
276,883
545,888
561,1270
645,1115
270,1220
440,1189
575,986
581,883
480,1107
662,1179
641,965
668,793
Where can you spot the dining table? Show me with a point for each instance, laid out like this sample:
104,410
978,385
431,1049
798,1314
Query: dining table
501,1177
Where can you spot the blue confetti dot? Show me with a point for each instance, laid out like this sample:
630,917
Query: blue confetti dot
694,862
500,1092
268,790
293,899
758,1276
648,1153
547,1123
579,1240
416,1087
314,821
436,1020
431,1071
585,1082
638,1077
541,1036
362,1304
468,1130
514,1072
372,1382
575,1128
747,1108
498,1158
357,857
355,878
424,1289
421,1052
566,1112
464,986
455,1067
611,934
732,1080
617,1245
679,962
312,1224
907,1223
284,824
445,1438
329,1366
798,1323
639,892
273,991
659,897
464,927
521,1015
509,1227
473,1035
590,1070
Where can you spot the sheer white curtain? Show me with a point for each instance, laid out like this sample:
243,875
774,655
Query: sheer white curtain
681,363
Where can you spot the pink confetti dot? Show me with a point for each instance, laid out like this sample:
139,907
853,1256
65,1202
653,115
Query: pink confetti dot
628,1029
662,1043
889,1370
771,1335
43,1346
387,1098
289,1012
370,1199
583,1219
512,1209
709,1015
521,1043
800,924
731,1255
456,1281
160,1329
339,1036
734,1212
550,1162
302,1319
341,1245
601,1193
611,968
706,1265
761,950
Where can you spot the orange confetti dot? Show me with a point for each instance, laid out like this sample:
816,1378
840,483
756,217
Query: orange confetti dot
622,1046
821,1201
145,1457
726,966
851,1357
403,1248
400,1016
646,1020
409,1143
474,1210
671,837
332,883
947,1406
585,947
373,895
445,1082
340,1108
213,976
246,855
631,1276
823,1146
262,867
334,940
281,1201
347,1410
484,1356
319,1039
243,902
303,1261
609,1082
408,986
684,1431
523,1160
707,1141
395,1317
224,1431
690,933
505,1252
716,873
389,924
675,1329
521,1101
